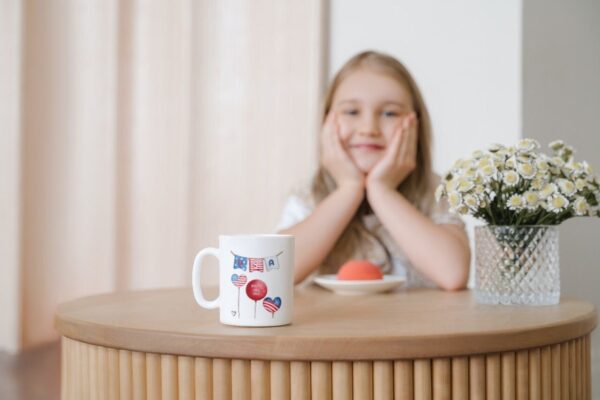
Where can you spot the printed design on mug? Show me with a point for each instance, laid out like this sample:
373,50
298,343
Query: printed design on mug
256,264
272,305
238,281
239,262
256,290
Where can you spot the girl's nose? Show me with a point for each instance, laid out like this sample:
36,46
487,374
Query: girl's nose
369,127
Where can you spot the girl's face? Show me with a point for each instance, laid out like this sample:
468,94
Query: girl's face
369,106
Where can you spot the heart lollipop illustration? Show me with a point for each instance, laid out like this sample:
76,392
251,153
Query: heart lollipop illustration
238,281
272,305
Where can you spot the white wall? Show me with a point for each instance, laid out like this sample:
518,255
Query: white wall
465,56
561,99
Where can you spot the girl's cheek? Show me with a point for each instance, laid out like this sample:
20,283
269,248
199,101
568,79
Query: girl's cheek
344,131
389,132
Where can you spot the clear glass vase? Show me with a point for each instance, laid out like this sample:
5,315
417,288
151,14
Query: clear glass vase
517,265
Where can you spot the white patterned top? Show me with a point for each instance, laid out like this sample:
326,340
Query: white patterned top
299,206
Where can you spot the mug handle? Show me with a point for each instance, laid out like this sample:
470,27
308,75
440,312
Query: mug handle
196,284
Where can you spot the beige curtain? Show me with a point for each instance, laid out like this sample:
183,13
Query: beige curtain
134,132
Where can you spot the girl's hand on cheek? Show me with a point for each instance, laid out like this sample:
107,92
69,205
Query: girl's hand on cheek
399,159
335,158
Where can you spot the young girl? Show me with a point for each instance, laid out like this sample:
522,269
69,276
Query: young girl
372,197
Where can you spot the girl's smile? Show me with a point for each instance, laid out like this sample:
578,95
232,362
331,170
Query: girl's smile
367,146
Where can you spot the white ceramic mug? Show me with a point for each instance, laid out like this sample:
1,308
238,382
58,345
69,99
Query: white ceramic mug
256,279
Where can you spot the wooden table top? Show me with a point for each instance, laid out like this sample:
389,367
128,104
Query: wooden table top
403,324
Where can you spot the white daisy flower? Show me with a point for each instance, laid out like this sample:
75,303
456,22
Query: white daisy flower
526,145
537,184
451,185
464,185
525,158
478,154
511,178
548,190
581,206
479,189
454,199
581,184
469,173
532,199
439,192
484,161
487,172
554,170
466,164
526,170
515,202
566,186
557,161
566,152
511,163
557,203
542,165
557,144
498,162
471,201
574,166
494,147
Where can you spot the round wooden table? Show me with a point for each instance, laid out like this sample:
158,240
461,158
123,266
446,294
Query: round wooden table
410,344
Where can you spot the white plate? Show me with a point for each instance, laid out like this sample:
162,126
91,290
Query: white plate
331,282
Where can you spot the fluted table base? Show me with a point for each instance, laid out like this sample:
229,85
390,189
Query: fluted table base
560,371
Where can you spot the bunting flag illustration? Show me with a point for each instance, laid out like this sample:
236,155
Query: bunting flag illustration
240,262
256,264
272,262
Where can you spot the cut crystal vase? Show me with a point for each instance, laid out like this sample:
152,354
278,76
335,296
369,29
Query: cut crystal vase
517,265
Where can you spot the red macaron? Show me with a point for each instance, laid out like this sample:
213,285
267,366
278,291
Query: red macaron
359,270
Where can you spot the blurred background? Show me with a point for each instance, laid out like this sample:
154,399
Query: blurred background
133,132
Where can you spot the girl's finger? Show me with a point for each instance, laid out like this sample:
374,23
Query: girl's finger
335,132
327,131
338,144
414,136
409,151
398,140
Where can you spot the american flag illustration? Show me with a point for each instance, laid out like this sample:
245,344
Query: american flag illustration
239,280
272,305
257,264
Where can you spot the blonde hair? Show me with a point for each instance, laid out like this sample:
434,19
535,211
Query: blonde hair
416,187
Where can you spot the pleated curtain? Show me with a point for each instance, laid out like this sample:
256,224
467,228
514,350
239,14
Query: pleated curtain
134,132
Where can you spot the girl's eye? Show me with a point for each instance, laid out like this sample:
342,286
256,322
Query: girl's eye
351,111
390,114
